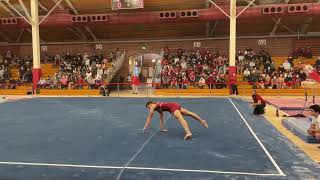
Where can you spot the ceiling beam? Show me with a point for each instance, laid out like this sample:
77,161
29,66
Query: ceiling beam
208,24
77,31
94,37
26,11
10,12
275,27
7,9
307,23
60,6
75,11
277,22
213,29
43,7
5,37
249,1
20,35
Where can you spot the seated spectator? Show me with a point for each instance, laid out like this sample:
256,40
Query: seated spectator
290,60
317,64
2,83
104,90
280,81
314,129
258,103
295,53
98,80
185,82
220,82
308,53
49,83
274,82
303,52
286,65
79,82
2,71
42,83
91,82
246,74
64,82
12,83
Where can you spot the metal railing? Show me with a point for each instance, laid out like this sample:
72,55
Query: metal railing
155,89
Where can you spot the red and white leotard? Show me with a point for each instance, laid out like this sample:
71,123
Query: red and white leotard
167,106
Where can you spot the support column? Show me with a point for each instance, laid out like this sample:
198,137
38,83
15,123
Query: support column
36,71
233,32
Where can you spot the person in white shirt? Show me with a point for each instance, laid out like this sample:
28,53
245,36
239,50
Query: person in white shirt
202,82
314,129
246,74
286,65
42,82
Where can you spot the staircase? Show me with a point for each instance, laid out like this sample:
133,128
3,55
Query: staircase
116,66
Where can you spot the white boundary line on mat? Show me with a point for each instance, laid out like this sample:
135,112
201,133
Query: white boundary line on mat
258,140
136,168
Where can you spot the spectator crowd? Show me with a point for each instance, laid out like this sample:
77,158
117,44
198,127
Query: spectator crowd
74,70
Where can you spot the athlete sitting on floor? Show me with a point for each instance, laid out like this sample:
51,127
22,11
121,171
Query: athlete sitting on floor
176,110
258,103
314,129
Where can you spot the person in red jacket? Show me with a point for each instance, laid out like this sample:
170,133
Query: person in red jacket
258,103
177,111
134,83
233,84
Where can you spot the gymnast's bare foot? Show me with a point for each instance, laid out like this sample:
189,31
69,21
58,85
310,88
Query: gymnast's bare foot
188,136
204,123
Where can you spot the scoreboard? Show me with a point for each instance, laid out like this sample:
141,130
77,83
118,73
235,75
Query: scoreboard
127,4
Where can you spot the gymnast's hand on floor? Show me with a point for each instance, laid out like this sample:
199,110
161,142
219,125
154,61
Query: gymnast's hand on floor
145,130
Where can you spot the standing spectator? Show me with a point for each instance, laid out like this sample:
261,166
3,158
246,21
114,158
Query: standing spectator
121,81
202,82
210,81
8,55
135,82
233,84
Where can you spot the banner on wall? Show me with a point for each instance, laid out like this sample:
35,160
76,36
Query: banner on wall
262,42
98,46
197,44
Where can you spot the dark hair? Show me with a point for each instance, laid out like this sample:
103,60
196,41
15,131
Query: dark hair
149,102
315,108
